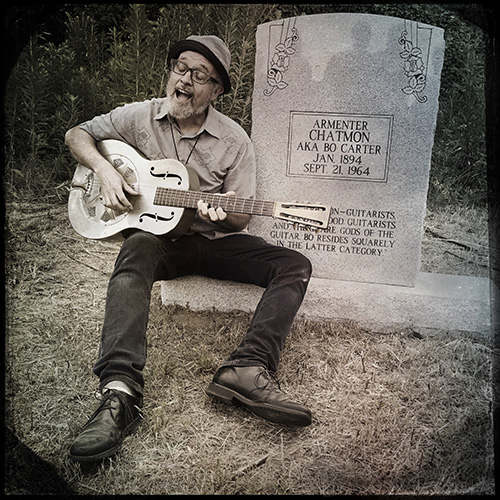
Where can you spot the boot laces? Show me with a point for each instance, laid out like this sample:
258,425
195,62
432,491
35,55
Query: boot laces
269,379
106,403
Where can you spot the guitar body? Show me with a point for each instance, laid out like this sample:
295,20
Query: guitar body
92,219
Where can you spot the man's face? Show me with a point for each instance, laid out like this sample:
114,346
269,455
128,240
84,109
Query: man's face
187,98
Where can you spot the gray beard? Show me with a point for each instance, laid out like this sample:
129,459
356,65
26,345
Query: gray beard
184,111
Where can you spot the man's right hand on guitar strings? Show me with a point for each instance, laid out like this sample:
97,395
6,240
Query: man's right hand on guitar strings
114,190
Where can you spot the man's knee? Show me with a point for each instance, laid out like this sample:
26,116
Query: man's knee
300,264
140,244
306,267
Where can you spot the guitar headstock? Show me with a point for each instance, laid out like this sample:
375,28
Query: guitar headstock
303,213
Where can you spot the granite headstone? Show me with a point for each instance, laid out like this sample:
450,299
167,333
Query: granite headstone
344,114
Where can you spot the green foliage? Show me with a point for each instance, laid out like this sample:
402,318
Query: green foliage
111,54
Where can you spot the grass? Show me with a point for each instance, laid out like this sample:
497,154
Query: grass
456,243
395,413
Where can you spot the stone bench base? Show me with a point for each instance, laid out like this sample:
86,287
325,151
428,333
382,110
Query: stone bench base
438,301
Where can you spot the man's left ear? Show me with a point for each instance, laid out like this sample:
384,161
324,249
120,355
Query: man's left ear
217,91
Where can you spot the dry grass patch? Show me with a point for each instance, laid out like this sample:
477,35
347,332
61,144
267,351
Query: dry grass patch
456,242
394,413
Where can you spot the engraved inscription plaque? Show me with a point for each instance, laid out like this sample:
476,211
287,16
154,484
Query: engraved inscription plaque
339,146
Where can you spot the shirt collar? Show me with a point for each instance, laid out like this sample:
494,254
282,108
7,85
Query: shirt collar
210,125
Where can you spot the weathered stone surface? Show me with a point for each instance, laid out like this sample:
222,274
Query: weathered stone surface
344,114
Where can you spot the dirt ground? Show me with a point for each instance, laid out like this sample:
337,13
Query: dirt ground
396,413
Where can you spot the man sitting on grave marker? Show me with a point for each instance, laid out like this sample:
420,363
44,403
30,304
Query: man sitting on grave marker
185,126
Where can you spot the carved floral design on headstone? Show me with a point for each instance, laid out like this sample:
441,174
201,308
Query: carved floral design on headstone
280,61
414,67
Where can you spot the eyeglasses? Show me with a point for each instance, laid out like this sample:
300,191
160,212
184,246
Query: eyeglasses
197,75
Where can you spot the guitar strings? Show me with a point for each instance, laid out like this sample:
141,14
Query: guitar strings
189,199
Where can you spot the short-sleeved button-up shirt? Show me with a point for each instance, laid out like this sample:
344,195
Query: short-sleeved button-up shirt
220,152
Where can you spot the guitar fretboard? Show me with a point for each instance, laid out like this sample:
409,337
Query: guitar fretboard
189,199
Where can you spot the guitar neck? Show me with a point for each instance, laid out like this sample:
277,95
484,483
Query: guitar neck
189,199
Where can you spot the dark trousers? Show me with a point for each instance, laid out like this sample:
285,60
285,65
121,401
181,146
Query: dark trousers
145,258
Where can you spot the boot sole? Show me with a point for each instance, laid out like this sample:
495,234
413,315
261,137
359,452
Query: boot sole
108,453
268,411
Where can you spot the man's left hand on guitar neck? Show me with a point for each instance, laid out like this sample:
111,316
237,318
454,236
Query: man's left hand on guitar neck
232,221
